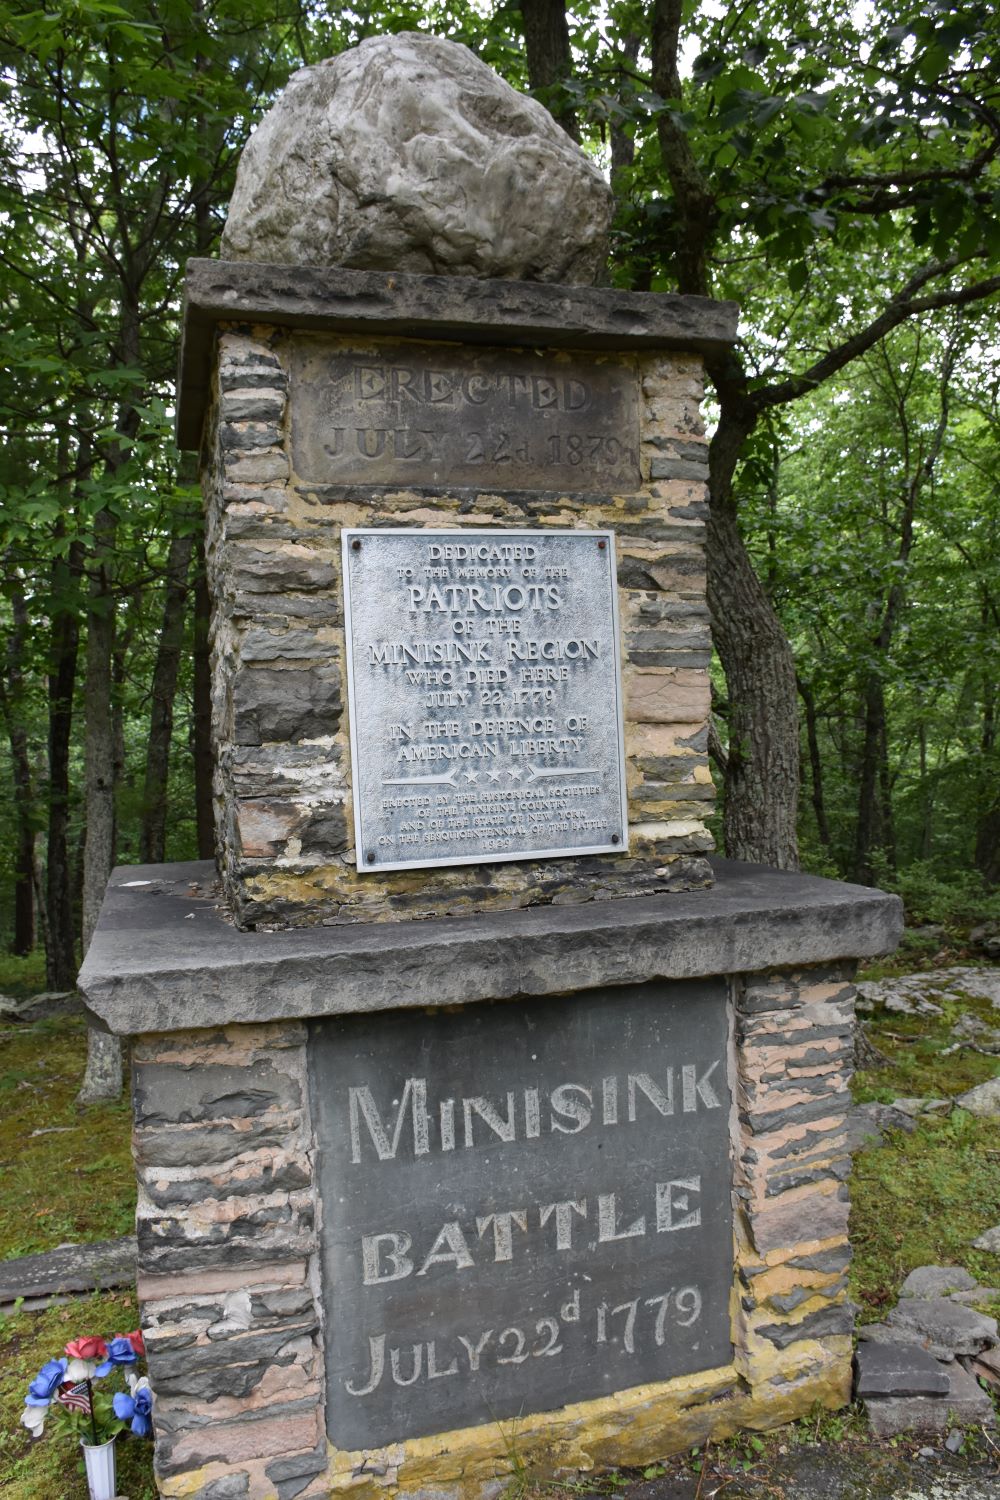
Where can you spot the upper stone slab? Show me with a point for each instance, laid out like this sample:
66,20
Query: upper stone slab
407,153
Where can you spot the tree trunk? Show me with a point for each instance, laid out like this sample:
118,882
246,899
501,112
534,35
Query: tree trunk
622,138
99,757
987,848
761,786
871,836
152,836
815,763
25,871
103,1076
550,60
60,957
762,768
204,801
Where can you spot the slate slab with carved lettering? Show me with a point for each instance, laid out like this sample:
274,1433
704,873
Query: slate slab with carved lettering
485,695
414,415
523,1205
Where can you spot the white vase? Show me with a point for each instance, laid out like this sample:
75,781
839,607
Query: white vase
100,1462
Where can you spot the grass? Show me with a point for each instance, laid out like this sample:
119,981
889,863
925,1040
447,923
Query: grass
921,1199
74,1183
21,978
45,1468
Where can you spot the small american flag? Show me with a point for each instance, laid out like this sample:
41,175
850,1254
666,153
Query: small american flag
75,1397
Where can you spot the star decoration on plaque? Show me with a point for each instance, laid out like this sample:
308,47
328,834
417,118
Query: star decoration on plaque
471,775
493,774
514,774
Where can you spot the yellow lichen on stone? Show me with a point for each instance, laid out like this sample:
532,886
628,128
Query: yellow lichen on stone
630,1427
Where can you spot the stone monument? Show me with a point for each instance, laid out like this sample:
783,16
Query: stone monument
475,1104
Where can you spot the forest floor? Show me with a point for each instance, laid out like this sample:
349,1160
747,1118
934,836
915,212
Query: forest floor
66,1177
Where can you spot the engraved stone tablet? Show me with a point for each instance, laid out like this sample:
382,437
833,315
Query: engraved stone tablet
524,1205
488,419
485,696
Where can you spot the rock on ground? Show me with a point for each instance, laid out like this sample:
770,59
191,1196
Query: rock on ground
407,153
898,1370
919,994
965,1402
37,1280
988,1240
946,1328
983,1100
937,1281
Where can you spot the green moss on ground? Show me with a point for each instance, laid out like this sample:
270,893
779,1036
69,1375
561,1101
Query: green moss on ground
921,1199
48,1467
75,1182
20,978
915,1048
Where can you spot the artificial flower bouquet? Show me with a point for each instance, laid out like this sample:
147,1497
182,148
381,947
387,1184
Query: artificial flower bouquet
83,1404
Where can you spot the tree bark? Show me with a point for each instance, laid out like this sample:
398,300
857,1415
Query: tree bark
11,688
60,957
152,835
99,779
103,1075
622,140
549,57
762,767
204,800
761,786
872,832
815,763
987,846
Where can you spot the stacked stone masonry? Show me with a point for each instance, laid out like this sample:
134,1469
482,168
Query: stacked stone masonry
229,1272
283,791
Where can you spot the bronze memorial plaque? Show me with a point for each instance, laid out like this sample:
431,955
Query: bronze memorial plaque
484,688
447,417
524,1204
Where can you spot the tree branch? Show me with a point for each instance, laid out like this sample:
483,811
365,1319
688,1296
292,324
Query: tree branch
904,305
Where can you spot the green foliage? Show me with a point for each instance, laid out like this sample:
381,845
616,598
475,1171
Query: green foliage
958,902
836,155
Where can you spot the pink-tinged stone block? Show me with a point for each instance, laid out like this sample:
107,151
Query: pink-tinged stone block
235,1442
178,1287
669,695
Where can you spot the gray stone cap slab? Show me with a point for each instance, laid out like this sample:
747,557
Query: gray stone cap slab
453,308
166,956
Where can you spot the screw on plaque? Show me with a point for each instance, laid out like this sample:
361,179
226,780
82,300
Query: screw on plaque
601,546
356,547
371,856
615,838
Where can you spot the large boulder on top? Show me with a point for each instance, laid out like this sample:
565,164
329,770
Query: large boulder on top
407,153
